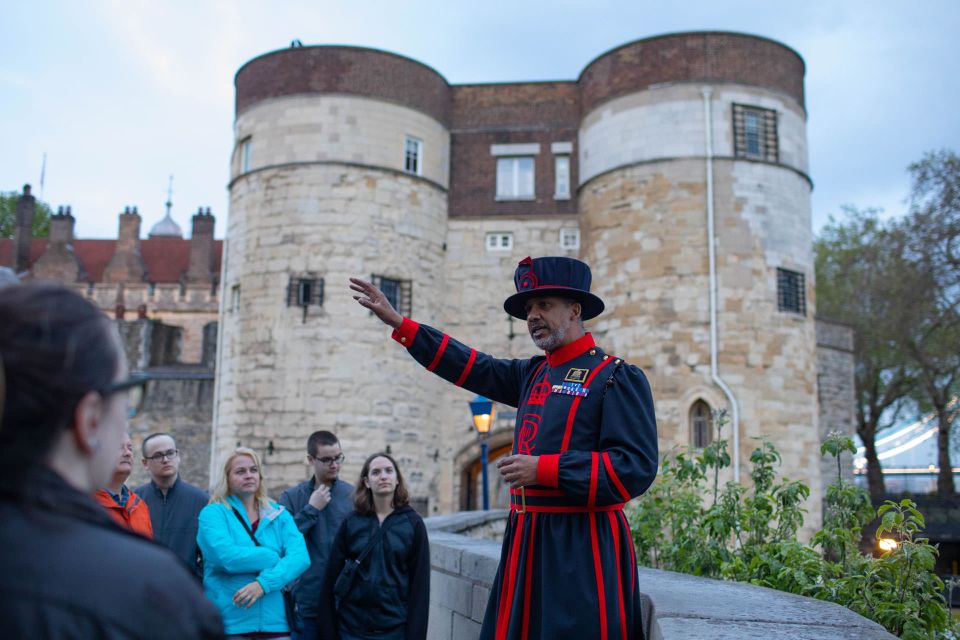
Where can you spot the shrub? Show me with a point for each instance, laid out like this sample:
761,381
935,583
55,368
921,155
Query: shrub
687,522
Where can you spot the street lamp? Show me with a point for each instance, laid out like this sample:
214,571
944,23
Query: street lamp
483,412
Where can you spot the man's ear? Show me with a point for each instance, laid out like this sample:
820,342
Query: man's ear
86,419
577,310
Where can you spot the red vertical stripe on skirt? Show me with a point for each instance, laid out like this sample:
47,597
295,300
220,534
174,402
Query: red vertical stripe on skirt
509,581
571,416
633,557
615,530
598,570
528,578
594,472
436,358
466,369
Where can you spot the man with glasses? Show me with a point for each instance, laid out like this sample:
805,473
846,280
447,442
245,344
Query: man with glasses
123,505
319,505
174,504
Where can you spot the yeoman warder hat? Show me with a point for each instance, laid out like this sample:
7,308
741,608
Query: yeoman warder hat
553,276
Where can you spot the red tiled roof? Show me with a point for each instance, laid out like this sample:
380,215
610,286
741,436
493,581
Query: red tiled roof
165,258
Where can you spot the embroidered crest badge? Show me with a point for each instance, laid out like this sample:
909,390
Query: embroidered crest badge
577,375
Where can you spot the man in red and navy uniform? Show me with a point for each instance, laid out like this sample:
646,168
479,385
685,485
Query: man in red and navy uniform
585,443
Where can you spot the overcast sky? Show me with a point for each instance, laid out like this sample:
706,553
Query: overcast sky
121,94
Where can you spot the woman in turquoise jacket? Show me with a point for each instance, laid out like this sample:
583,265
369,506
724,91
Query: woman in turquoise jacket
241,576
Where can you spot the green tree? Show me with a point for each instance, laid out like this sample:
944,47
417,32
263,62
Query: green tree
8,216
860,276
931,238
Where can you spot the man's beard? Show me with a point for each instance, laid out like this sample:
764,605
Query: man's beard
552,340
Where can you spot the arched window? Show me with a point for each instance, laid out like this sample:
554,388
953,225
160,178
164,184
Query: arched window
701,429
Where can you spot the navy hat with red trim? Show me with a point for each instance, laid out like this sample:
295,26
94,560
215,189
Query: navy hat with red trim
553,276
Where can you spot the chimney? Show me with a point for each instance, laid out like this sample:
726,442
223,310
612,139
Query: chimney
126,265
61,226
23,232
58,262
201,247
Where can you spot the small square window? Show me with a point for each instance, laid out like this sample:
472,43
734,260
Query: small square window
499,241
561,166
791,292
245,155
413,155
305,291
398,292
515,178
755,133
569,238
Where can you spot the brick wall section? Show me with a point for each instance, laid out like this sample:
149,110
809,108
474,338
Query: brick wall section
473,173
23,232
516,113
692,57
349,70
201,248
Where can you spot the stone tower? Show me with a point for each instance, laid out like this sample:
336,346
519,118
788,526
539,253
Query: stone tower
677,130
341,169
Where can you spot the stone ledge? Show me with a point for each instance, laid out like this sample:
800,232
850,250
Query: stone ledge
676,606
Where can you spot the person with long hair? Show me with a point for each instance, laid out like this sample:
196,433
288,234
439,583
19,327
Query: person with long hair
69,571
251,549
377,584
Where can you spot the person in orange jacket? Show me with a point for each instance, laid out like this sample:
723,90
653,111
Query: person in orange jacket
123,505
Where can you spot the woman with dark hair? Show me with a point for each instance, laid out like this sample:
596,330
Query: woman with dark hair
69,571
378,578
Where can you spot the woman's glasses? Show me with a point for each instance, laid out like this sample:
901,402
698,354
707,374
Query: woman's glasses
136,388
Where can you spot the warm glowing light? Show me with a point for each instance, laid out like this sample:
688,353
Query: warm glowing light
483,412
887,544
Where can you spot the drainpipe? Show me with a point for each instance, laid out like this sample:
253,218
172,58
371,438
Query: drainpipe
711,248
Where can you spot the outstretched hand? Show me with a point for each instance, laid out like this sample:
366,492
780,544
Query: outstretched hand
372,298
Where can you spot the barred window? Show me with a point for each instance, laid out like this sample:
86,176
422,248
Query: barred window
305,291
755,133
701,431
791,292
398,292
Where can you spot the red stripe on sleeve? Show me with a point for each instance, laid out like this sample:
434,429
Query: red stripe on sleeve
598,570
594,472
615,530
548,470
466,369
406,332
436,358
613,476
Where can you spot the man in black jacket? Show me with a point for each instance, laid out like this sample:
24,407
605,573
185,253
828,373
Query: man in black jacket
174,503
318,505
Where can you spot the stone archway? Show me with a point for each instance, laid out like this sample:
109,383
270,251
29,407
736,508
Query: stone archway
499,444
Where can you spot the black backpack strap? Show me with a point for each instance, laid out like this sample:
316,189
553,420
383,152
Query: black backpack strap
243,523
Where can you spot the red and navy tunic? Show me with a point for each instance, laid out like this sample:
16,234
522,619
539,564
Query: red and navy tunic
567,569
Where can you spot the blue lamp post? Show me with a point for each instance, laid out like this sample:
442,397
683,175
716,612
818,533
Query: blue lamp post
482,410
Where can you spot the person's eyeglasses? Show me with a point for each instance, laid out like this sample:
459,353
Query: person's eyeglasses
136,388
160,456
329,462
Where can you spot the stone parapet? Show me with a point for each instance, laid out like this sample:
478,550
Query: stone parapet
676,606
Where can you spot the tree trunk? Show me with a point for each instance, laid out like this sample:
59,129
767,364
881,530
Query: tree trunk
945,476
874,473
